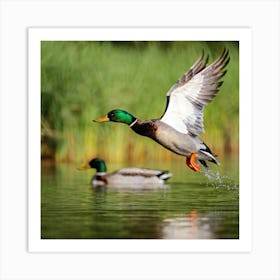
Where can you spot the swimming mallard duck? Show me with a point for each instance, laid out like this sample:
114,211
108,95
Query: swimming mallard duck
130,175
182,122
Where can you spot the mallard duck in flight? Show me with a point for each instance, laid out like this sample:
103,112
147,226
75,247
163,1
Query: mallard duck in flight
181,124
130,176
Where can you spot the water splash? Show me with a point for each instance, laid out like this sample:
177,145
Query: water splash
220,181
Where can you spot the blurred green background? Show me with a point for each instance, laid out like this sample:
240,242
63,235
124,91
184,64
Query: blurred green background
81,81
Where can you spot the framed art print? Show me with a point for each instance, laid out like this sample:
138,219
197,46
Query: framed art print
139,140
77,75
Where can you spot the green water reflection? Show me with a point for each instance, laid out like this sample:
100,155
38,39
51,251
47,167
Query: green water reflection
191,206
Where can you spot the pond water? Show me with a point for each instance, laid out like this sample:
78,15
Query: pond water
189,206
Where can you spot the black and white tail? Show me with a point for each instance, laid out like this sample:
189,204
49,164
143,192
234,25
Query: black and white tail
208,156
164,175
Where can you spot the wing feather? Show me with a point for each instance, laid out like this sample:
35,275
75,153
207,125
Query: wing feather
134,171
192,92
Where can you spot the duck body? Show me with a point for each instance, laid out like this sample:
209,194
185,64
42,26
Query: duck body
131,177
168,137
181,124
180,143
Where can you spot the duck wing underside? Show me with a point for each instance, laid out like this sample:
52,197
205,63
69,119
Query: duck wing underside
192,92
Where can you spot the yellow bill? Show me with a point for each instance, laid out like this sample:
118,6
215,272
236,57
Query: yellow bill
102,119
84,167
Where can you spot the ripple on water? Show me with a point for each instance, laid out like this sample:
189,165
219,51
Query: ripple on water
218,180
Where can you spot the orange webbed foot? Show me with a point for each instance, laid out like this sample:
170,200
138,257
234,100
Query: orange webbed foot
191,162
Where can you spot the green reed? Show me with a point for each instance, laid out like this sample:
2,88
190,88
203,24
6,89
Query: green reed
81,81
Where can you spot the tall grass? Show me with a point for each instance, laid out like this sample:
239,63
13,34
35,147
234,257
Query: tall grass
84,80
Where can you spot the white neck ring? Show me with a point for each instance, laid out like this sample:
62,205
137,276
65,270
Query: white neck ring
100,173
132,124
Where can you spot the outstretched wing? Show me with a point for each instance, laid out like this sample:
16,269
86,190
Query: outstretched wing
195,89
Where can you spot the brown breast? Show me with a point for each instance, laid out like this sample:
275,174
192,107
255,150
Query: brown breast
145,128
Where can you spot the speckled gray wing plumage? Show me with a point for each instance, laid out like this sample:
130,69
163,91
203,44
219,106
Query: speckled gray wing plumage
195,89
145,172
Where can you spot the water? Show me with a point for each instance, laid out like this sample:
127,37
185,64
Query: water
190,206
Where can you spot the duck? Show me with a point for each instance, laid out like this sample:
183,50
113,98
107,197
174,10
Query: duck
181,124
129,176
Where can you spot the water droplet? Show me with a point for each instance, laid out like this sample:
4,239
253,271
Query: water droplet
217,180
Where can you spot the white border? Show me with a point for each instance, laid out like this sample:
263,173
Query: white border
243,35
262,16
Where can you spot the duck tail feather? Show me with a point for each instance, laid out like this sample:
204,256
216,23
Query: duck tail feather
164,175
203,162
210,157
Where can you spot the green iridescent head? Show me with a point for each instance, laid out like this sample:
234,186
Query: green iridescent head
117,115
97,163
